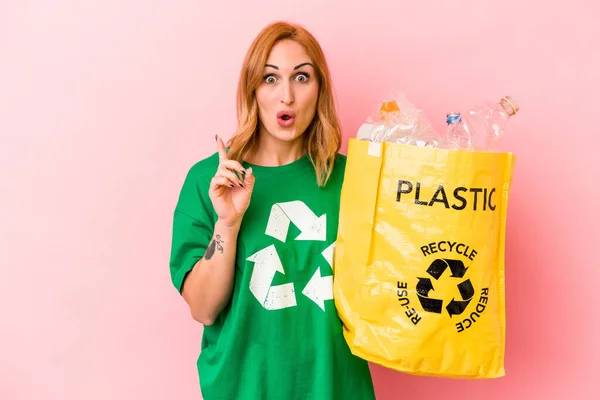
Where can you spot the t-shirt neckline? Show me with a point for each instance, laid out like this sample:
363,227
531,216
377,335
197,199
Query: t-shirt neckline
300,162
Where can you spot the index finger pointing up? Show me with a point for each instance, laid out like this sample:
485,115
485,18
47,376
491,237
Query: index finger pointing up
221,149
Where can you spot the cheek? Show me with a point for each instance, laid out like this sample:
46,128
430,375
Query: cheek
314,92
312,95
267,95
262,103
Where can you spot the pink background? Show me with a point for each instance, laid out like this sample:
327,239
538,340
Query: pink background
105,105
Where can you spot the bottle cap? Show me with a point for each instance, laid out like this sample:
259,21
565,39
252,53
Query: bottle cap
509,105
387,108
452,118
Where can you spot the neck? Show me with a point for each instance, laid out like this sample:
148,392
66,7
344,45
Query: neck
271,152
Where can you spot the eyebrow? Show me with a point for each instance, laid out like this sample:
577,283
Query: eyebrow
295,68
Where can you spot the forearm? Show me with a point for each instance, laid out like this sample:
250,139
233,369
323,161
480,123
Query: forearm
208,286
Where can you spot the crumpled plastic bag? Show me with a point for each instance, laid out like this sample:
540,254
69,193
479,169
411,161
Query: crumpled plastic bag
399,121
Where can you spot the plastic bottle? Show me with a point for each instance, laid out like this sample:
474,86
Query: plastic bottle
481,128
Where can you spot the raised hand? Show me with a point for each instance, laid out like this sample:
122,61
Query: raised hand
229,194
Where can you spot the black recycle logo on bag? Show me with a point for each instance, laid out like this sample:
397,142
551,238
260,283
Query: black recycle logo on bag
455,306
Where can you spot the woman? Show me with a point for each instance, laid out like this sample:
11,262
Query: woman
254,233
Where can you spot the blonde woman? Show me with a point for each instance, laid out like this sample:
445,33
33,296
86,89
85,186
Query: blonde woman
254,234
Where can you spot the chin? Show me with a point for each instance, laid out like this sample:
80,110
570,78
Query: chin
289,134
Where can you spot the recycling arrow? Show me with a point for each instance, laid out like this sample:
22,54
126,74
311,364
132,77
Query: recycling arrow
310,225
267,264
437,268
424,286
466,290
320,288
456,307
428,304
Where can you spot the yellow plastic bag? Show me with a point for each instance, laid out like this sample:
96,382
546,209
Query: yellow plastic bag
419,259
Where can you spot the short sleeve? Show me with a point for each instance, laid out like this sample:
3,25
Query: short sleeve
193,225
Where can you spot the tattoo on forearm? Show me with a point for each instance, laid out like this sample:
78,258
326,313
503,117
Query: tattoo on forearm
215,245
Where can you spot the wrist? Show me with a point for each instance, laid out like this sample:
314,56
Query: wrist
227,227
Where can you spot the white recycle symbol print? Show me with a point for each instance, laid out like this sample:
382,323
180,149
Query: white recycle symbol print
267,262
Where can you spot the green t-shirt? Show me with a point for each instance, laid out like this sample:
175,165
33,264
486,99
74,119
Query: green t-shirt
280,336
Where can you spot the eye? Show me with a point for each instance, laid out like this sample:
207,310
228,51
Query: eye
302,77
270,79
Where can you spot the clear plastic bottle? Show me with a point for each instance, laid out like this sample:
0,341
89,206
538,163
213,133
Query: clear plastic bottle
481,128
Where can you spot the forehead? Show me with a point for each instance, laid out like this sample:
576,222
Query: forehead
287,54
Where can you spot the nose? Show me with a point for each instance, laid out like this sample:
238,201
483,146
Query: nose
287,94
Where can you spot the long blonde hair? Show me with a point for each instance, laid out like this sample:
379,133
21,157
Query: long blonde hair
323,136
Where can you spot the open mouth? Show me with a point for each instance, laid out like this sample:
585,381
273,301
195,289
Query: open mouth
285,115
285,118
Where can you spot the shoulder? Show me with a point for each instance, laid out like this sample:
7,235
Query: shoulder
340,160
204,169
337,172
339,164
201,172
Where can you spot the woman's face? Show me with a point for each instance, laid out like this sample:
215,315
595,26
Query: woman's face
287,95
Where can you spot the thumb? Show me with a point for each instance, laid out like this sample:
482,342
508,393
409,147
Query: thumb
249,179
